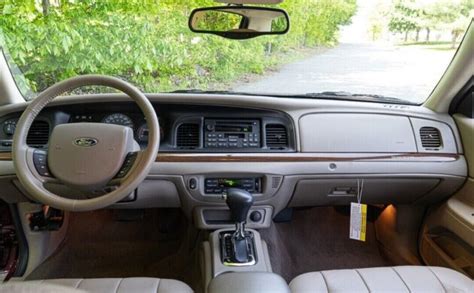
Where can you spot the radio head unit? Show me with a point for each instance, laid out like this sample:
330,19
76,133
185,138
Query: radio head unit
230,133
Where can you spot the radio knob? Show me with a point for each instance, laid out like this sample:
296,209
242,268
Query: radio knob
210,127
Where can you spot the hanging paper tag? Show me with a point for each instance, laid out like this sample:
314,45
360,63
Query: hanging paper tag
358,221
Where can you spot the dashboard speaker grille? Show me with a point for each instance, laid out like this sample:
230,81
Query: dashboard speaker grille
430,137
276,136
38,135
187,136
276,182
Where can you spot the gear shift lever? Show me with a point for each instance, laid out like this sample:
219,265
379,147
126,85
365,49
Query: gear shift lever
239,202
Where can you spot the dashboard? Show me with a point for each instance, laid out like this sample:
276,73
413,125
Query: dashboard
182,128
286,152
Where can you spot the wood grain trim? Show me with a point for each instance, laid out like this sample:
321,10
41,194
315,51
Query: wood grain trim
288,158
299,158
5,156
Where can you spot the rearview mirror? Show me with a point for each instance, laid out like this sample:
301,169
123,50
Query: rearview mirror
239,22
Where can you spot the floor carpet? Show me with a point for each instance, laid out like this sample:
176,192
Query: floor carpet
318,239
98,245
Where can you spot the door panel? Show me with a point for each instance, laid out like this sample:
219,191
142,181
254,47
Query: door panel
447,237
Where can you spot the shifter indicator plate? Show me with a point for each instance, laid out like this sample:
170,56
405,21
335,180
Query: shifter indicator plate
227,253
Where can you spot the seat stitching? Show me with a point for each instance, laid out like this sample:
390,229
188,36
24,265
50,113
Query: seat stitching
325,282
367,286
403,281
78,283
118,286
444,288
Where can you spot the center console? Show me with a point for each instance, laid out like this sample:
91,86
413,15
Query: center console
235,250
248,282
209,190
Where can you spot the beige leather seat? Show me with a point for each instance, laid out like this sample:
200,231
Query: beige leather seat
384,279
106,285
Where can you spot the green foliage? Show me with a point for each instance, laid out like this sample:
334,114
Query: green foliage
415,15
148,42
404,17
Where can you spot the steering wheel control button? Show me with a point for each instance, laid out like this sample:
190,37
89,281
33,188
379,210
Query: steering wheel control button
127,165
40,160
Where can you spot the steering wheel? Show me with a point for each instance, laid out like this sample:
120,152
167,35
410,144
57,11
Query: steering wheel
85,156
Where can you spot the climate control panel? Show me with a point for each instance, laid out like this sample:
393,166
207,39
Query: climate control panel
220,185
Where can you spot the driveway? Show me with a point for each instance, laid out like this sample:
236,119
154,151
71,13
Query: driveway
405,72
358,65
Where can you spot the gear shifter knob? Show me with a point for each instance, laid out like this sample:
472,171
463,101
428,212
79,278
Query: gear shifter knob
239,202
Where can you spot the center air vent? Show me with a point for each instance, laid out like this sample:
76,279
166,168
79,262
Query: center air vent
430,138
187,136
276,136
38,135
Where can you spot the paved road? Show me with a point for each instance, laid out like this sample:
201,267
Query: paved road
407,72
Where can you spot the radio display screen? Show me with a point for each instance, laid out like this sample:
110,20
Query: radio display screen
230,182
233,128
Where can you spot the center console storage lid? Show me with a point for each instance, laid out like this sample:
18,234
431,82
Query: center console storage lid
248,282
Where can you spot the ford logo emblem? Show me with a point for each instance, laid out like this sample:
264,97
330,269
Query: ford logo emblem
85,141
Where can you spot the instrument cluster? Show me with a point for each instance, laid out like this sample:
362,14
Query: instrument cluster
134,121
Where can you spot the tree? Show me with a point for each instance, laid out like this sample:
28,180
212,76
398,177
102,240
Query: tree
404,18
453,16
149,43
416,15
45,6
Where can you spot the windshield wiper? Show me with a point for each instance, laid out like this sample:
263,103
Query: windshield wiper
354,97
199,91
341,95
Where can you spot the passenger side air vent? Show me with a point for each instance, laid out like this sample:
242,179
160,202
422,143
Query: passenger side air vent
276,136
38,135
187,136
430,138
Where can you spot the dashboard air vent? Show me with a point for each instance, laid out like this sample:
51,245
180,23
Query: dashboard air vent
276,136
187,136
430,137
38,135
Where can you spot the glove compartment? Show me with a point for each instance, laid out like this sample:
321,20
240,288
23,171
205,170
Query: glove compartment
340,191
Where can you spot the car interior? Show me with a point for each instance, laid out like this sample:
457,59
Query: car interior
194,191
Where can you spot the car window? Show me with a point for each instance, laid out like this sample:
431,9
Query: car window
396,49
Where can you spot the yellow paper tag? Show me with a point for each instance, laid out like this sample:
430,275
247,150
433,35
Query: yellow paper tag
358,223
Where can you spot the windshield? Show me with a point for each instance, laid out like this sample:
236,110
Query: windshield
379,48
